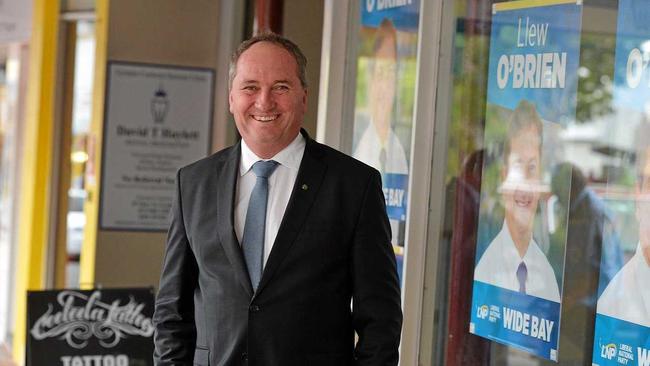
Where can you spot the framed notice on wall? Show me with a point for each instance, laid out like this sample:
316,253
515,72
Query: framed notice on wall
157,119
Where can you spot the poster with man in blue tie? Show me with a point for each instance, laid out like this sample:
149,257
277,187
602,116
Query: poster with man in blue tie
622,326
383,111
532,91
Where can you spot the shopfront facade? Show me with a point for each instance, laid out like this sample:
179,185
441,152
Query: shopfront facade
511,137
522,125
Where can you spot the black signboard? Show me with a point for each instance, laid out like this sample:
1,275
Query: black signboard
105,327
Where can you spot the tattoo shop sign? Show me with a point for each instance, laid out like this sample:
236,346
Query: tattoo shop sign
90,328
157,119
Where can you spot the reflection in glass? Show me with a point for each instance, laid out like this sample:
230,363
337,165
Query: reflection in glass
385,89
79,157
588,202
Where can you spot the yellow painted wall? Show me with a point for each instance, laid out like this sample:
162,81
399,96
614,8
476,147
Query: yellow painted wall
37,163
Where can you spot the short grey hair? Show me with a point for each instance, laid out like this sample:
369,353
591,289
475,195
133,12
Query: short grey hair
277,40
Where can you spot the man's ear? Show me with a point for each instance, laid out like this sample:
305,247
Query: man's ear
230,101
304,101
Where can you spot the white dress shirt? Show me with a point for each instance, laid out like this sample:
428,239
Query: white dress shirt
627,297
498,267
281,184
369,148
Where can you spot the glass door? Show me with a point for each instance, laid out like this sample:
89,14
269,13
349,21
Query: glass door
545,184
76,148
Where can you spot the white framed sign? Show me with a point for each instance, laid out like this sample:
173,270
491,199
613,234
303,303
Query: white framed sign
157,119
15,20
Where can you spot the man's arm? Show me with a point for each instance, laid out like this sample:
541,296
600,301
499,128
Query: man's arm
175,334
377,313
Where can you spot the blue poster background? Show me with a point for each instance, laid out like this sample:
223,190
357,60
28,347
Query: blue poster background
405,14
395,188
632,32
562,35
617,342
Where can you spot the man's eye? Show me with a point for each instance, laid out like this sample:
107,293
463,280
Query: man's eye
281,88
249,88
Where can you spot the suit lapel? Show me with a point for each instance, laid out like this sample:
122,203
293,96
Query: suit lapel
310,176
228,171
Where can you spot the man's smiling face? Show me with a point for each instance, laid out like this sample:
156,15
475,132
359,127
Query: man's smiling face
521,180
267,99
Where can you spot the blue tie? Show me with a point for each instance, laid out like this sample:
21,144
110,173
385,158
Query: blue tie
253,238
522,275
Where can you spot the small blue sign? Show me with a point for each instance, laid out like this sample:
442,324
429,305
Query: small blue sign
396,193
617,342
526,322
405,14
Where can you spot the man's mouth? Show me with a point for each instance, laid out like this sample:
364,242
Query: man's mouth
523,200
269,118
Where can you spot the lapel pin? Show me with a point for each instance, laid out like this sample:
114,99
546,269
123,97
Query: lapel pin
305,187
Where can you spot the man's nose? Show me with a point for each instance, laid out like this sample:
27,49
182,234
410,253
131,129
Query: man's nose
265,100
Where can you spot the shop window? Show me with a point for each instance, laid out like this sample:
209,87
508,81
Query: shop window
546,253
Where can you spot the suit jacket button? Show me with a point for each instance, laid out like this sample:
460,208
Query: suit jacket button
254,308
244,356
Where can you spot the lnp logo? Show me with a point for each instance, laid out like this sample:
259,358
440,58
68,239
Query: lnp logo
81,317
608,351
482,312
370,5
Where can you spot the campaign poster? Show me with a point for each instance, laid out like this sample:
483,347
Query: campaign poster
622,326
385,97
532,94
157,119
90,327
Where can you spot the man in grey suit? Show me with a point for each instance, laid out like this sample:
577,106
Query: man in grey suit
279,247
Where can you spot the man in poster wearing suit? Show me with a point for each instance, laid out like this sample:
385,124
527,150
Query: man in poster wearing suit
279,247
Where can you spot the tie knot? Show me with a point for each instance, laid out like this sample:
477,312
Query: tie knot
263,169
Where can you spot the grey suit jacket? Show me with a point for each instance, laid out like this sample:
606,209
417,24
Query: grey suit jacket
333,246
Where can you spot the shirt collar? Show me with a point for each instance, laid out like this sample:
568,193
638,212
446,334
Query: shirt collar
290,156
510,252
